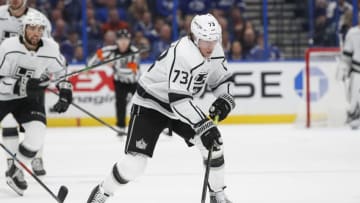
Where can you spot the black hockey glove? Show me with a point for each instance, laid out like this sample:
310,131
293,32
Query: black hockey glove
30,87
209,133
222,107
65,97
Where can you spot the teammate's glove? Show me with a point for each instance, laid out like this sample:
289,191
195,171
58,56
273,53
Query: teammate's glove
209,133
30,87
65,97
343,71
222,107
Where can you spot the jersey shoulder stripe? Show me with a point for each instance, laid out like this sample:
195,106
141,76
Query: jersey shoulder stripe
8,53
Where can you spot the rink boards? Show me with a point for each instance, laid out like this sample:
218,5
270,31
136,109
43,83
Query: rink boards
265,92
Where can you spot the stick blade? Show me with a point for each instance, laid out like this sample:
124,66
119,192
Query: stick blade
63,191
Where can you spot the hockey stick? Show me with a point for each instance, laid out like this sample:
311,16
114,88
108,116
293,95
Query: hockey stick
100,64
87,112
63,191
207,170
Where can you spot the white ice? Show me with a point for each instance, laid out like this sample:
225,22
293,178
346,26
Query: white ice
264,163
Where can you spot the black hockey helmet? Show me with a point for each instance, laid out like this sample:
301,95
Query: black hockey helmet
123,33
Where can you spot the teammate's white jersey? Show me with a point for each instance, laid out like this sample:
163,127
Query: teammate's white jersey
126,69
16,60
351,50
178,75
10,26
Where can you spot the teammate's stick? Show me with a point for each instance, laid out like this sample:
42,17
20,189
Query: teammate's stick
207,170
100,64
88,113
63,191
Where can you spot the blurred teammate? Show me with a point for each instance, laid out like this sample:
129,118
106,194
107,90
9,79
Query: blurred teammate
11,16
26,64
349,69
126,73
165,93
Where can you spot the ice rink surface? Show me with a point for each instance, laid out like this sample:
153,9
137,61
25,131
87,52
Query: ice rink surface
264,164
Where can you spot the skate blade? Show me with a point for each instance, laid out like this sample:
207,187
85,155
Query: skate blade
14,187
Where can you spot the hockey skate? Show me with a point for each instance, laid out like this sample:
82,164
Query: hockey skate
218,197
38,166
15,179
121,131
98,195
353,120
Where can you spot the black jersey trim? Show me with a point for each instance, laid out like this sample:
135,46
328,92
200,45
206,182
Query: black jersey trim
192,69
142,93
217,57
51,57
11,52
174,97
229,79
347,53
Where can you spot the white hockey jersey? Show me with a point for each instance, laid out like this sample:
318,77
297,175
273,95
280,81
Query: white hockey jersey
350,58
10,26
180,74
126,69
16,60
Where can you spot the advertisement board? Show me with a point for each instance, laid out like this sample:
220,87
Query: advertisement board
265,92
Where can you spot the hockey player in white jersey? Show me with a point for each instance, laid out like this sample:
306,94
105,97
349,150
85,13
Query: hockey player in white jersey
26,64
11,16
349,69
165,93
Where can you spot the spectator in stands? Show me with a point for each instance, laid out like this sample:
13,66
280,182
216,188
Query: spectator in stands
67,47
72,12
124,3
325,24
258,52
146,26
235,53
114,22
164,8
195,6
185,29
94,31
109,38
60,31
224,6
56,14
143,43
225,42
237,24
135,11
78,55
249,41
163,42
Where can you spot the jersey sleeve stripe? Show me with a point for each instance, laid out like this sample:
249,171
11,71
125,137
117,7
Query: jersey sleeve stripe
347,53
55,58
201,114
184,117
229,79
11,52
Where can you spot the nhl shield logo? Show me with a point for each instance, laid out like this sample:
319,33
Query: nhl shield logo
141,144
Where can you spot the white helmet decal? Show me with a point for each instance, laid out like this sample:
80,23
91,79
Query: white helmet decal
205,27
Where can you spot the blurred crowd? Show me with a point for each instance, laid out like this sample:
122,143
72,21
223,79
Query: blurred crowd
150,22
333,18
